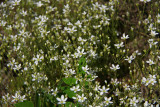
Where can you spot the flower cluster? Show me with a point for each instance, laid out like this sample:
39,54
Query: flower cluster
86,53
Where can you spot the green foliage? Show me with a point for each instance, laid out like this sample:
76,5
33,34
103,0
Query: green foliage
37,100
66,53
82,63
69,93
24,104
69,81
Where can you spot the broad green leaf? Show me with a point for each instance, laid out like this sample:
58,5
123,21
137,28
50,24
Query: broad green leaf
69,81
24,104
70,93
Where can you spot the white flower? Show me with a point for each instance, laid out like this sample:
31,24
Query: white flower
124,36
138,53
134,102
119,45
6,98
39,4
15,2
103,90
81,40
80,53
93,53
126,87
75,89
24,13
146,104
37,59
62,100
153,33
115,81
22,98
85,69
144,80
3,23
117,92
151,43
17,67
17,97
107,101
75,98
37,77
145,1
96,5
54,92
114,68
103,8
150,62
152,79
71,30
75,55
106,46
69,24
81,99
72,71
78,23
129,59
150,27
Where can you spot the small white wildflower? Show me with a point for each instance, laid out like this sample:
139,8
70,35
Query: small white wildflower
146,104
103,90
126,87
62,100
114,68
144,80
129,59
75,88
71,30
22,98
39,4
6,98
150,62
124,37
134,102
151,43
82,98
119,45
80,53
15,2
85,69
54,92
145,1
78,23
107,101
153,33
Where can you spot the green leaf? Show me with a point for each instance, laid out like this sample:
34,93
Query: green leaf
70,93
62,88
24,104
82,63
68,104
37,101
86,83
69,81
